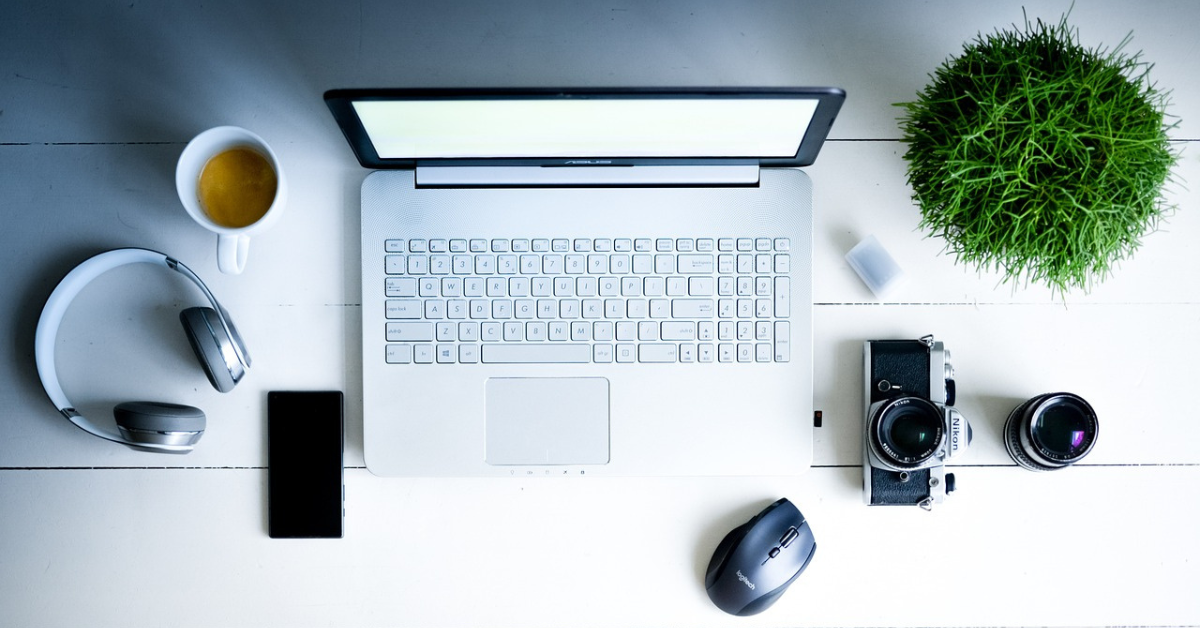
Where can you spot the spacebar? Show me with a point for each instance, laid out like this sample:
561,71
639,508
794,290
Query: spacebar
535,353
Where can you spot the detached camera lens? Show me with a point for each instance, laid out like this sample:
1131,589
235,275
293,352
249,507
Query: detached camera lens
1051,431
907,431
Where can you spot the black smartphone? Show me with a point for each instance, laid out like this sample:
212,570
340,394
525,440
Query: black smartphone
304,465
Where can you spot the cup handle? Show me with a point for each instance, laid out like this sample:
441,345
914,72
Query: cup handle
231,253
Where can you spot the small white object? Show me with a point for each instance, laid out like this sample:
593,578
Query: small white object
875,266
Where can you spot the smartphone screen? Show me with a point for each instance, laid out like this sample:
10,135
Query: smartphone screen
304,464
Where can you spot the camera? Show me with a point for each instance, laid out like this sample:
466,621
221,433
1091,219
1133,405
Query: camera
911,427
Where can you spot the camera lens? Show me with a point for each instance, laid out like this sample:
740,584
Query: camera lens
907,431
1050,431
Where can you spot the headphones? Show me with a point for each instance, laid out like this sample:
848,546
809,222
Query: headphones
146,425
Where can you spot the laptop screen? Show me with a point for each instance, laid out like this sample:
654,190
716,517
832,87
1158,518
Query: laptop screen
400,127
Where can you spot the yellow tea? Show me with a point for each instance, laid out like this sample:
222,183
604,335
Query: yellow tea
237,187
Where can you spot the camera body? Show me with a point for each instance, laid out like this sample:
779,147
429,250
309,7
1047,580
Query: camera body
911,426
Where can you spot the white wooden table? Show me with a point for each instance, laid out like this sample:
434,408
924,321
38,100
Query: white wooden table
97,100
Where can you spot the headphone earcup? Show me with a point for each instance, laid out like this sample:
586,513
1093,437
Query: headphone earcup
207,337
159,423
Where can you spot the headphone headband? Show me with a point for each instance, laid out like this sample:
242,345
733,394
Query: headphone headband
45,339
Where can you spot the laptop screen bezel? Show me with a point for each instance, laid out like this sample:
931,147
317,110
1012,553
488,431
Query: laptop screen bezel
341,104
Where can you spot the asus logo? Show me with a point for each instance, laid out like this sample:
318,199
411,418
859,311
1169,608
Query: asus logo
588,162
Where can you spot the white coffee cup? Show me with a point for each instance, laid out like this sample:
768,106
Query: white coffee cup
233,243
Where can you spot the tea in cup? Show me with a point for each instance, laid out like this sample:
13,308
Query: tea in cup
230,182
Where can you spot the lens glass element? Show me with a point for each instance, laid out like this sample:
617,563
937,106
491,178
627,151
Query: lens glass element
909,430
1062,428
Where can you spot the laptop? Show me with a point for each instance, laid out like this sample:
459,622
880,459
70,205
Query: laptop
587,281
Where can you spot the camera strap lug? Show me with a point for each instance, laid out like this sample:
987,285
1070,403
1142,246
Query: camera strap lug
926,503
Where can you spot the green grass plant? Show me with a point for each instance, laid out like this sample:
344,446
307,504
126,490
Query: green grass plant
1039,158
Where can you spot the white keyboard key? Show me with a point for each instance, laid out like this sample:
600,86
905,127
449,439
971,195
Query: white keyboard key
435,308
602,353
783,297
468,354
692,308
678,330
658,353
423,354
429,287
536,353
701,286
404,308
695,264
496,287
597,263
394,264
410,332
783,342
677,286
654,286
593,308
399,354
400,287
439,264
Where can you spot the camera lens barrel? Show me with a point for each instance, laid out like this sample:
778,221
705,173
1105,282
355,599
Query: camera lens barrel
906,432
1051,431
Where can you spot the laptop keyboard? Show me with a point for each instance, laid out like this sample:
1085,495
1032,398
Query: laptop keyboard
602,300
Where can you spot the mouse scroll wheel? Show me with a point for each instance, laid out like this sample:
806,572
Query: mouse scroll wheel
789,537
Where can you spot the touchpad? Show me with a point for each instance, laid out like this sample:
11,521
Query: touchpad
547,420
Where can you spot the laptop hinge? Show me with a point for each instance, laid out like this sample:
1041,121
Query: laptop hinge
558,176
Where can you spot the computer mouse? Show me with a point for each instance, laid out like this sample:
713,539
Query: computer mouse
757,561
